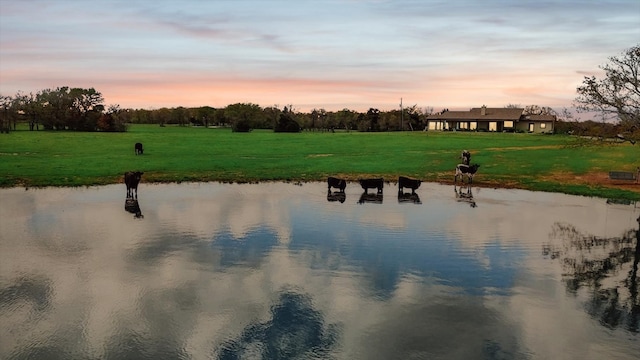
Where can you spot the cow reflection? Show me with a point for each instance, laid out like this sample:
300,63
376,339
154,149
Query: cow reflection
336,196
464,194
370,198
133,206
405,198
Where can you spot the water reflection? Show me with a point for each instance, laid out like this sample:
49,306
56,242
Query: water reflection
405,198
464,194
133,206
277,271
295,330
606,266
370,198
336,196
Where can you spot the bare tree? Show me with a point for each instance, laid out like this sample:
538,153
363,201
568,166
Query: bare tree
617,95
539,110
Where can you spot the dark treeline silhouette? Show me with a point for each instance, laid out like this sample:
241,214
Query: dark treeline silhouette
243,117
606,267
78,109
63,108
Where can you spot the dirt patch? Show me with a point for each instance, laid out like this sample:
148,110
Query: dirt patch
593,179
527,147
319,155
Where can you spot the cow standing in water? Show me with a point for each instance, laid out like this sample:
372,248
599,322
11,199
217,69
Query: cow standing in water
406,182
372,184
138,149
468,170
336,183
132,179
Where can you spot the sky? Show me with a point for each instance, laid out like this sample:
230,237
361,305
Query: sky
323,54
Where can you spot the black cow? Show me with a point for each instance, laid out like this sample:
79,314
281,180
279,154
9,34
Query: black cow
462,170
372,183
466,157
132,179
405,182
138,149
336,183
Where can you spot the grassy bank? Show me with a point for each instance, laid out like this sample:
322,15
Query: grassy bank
175,154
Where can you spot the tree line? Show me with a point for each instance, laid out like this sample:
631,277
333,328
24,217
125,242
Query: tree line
244,117
615,96
78,109
63,108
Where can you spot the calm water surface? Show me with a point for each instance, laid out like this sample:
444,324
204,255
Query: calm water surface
284,271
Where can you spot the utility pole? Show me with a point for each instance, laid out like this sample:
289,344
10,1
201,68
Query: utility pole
401,116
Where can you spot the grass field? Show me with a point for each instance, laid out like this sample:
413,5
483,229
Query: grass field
175,154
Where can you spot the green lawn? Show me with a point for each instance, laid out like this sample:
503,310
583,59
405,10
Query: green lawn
173,154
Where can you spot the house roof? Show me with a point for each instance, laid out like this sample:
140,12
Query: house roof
476,114
540,117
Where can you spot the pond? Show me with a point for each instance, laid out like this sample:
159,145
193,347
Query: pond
288,271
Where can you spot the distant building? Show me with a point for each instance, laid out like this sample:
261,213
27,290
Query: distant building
491,119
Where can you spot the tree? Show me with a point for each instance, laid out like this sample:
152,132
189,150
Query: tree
617,95
372,120
29,106
286,123
113,120
5,114
346,119
70,108
243,117
538,110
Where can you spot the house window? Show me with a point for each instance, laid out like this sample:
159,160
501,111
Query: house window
543,125
493,126
508,124
473,125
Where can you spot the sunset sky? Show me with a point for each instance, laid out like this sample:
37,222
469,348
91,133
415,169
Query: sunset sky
331,54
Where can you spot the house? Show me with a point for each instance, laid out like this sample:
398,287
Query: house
491,119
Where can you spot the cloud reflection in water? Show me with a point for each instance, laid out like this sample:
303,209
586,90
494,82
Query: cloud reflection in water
218,270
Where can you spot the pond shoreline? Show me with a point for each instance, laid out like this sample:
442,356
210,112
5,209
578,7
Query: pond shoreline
599,190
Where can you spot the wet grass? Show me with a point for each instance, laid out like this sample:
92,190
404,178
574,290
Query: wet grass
177,154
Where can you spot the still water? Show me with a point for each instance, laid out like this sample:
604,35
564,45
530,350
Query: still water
286,271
